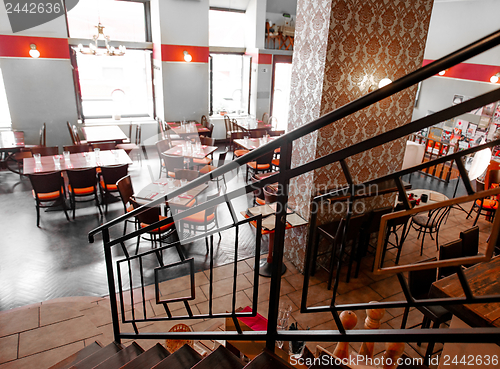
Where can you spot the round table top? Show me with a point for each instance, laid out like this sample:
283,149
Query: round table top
433,196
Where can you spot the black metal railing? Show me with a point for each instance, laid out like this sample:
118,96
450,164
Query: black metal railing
286,172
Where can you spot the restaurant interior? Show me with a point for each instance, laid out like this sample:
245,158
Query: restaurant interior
250,182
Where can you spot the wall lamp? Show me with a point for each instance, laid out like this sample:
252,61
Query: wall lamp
187,57
495,78
442,73
384,82
34,53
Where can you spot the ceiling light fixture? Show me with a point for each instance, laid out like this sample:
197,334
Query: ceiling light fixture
93,48
187,57
34,53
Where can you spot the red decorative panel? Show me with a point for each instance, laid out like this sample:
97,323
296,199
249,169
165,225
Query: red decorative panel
175,53
470,71
19,47
342,48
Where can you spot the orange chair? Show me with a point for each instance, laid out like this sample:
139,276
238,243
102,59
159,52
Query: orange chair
82,183
45,150
148,217
261,165
126,191
108,177
48,187
172,163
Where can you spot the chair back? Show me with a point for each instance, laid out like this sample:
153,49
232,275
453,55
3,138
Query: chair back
46,182
222,158
173,162
113,173
227,123
71,133
45,150
273,121
258,133
276,133
265,117
420,281
234,125
150,216
238,135
104,145
470,241
125,189
352,233
73,149
188,174
82,178
493,177
210,127
43,135
207,141
19,137
204,121
138,134
162,128
210,211
450,250
373,223
162,146
266,158
479,185
270,195
76,135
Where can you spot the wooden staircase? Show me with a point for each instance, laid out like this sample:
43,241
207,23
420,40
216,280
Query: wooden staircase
118,356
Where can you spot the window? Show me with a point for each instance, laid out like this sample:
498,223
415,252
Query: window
230,83
112,86
5,121
226,28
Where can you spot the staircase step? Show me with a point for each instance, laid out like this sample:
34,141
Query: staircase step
185,357
98,357
221,358
121,357
268,360
78,356
148,359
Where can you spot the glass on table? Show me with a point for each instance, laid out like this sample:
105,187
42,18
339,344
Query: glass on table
283,316
57,161
67,156
38,158
97,152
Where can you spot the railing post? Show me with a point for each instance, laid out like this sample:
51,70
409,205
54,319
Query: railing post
279,242
111,285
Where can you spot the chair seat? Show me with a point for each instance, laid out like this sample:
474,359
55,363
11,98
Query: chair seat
162,228
171,174
436,313
199,218
204,161
130,208
82,191
488,204
48,196
108,186
254,165
423,221
276,162
207,169
260,201
241,152
278,150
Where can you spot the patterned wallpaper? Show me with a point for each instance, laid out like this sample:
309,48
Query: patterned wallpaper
342,48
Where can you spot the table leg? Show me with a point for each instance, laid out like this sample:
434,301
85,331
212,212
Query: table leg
266,265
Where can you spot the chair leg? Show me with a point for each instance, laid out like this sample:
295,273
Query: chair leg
38,215
64,208
73,205
315,253
137,245
97,203
206,240
405,317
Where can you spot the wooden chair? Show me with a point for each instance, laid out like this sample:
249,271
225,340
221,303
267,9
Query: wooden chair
172,163
48,188
210,168
204,121
43,135
258,194
161,127
271,35
237,136
126,191
470,242
74,149
276,133
82,183
104,145
419,284
265,118
187,174
108,178
76,135
204,161
151,216
261,165
450,250
210,127
45,150
229,128
429,222
273,121
258,133
270,195
487,206
393,227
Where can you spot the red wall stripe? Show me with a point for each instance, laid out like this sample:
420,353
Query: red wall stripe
19,47
175,53
473,72
261,58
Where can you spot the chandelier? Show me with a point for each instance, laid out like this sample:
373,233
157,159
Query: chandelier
93,48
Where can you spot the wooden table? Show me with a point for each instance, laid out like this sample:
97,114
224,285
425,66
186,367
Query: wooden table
163,186
266,265
95,134
483,279
77,161
192,154
251,143
185,131
249,125
8,145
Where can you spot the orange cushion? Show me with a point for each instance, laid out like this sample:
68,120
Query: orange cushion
162,228
207,169
171,174
488,204
130,208
109,186
278,150
204,161
239,153
82,191
48,196
199,217
253,165
260,201
276,162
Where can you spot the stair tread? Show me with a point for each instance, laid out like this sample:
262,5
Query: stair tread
268,360
149,358
78,356
98,357
221,358
185,357
122,357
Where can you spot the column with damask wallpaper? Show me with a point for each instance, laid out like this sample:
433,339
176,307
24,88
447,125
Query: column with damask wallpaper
342,49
